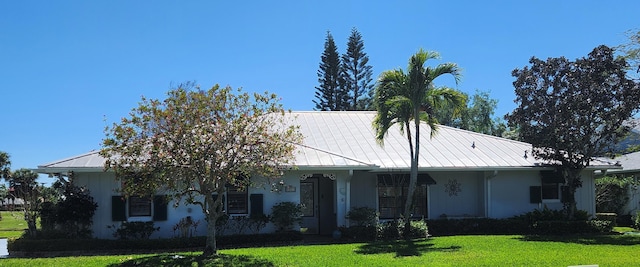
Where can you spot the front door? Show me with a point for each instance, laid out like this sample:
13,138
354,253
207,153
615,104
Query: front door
317,199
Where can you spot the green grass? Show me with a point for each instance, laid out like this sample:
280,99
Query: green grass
613,250
12,224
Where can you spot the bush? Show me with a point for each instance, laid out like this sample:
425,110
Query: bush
363,216
33,246
607,217
477,226
134,230
186,226
285,215
636,221
571,227
392,230
547,214
611,193
359,233
241,224
72,216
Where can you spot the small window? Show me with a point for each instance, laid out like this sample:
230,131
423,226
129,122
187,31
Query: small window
237,200
139,206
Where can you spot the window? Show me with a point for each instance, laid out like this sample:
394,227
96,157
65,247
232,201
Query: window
139,206
550,191
392,194
237,200
307,199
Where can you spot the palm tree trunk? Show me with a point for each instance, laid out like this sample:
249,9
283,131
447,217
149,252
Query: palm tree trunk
413,178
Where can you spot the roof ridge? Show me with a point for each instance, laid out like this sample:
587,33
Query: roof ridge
336,154
485,135
70,158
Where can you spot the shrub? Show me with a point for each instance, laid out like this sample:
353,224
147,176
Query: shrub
257,222
636,221
477,226
72,216
571,227
363,216
241,223
547,214
607,217
392,230
186,226
285,215
611,193
34,246
134,230
359,233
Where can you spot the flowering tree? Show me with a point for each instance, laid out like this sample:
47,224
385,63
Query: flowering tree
196,142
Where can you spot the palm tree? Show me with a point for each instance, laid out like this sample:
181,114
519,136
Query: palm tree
404,97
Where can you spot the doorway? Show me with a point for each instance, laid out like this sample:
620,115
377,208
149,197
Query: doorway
317,196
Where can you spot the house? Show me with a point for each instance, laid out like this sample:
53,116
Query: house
340,165
631,168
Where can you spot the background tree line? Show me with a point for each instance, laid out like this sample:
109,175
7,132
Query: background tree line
345,83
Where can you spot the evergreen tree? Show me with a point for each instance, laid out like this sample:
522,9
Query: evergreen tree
330,94
357,73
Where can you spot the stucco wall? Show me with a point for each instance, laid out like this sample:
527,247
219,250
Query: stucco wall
468,202
103,186
509,191
363,190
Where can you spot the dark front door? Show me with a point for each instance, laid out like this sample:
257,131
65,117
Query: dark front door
318,200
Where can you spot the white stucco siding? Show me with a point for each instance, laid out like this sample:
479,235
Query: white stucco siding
585,195
363,190
467,202
103,186
509,193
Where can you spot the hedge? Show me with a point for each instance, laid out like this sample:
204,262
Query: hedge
25,245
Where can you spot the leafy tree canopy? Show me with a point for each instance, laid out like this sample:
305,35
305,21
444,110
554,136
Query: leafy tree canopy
476,115
5,165
195,142
572,111
631,52
24,185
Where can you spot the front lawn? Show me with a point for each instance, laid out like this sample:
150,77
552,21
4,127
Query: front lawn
12,224
495,250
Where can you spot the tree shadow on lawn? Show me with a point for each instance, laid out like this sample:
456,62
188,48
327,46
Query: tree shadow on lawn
620,240
194,260
403,248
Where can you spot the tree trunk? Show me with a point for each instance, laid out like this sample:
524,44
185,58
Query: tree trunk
413,179
570,199
210,248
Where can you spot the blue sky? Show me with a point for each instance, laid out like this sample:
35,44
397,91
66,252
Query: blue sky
69,68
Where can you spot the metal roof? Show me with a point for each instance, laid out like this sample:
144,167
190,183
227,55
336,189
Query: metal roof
349,134
346,140
630,163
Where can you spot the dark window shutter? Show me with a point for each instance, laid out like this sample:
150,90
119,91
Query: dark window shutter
118,208
159,208
257,207
535,194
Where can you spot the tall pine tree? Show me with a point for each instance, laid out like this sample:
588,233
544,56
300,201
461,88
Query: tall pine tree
357,73
330,94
